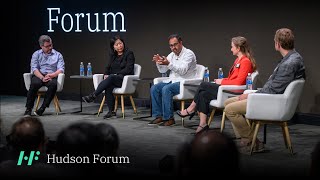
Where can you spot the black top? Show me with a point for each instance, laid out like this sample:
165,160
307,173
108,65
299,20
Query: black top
121,65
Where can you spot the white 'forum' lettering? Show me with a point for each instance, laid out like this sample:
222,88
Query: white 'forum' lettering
68,21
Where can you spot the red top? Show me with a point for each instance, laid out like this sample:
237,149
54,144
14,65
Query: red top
238,72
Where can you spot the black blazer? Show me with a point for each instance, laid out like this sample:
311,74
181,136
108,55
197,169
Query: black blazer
126,64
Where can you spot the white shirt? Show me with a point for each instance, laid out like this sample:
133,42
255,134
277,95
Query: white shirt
182,66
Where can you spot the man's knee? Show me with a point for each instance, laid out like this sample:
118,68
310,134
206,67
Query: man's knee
227,109
165,90
153,88
52,84
230,100
226,102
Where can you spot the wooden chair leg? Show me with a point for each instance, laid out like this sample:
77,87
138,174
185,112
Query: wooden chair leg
253,143
284,135
211,116
116,104
55,105
248,122
38,101
133,105
58,104
101,105
222,121
122,105
182,108
286,131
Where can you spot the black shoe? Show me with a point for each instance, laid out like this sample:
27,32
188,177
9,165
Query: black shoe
188,114
109,115
27,112
90,98
204,129
39,112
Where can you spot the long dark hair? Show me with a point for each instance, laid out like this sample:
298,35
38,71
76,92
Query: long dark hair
113,40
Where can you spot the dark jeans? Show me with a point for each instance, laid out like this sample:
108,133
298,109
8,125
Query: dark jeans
35,85
205,93
107,85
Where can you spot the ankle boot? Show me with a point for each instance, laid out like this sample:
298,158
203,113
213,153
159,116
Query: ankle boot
90,98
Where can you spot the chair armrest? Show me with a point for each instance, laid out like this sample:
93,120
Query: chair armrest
188,92
159,79
262,106
222,96
27,80
97,78
248,91
128,85
60,82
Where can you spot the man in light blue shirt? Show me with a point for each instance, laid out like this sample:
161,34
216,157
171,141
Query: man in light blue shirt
46,64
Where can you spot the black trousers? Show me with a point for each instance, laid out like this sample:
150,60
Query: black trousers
36,84
205,93
107,85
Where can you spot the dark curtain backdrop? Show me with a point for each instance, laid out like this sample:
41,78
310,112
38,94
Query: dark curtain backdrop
206,28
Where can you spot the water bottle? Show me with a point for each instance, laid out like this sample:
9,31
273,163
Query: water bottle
220,73
249,82
89,70
206,77
81,69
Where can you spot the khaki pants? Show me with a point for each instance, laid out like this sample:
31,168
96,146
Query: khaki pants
235,111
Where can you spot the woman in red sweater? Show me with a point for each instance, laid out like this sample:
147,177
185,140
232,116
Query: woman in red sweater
207,91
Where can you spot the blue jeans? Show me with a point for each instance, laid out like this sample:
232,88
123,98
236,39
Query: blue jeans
162,99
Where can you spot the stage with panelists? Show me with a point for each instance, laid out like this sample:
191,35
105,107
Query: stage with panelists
160,88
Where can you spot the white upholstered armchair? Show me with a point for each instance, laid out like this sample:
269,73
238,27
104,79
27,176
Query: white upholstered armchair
43,89
222,96
127,89
274,109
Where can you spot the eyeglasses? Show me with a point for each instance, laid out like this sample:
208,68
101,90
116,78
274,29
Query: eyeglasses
173,45
47,46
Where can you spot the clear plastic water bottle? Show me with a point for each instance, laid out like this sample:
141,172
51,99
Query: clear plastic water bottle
220,73
89,70
249,82
206,77
81,69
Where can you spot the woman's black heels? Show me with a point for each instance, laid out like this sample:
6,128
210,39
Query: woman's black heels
188,114
203,129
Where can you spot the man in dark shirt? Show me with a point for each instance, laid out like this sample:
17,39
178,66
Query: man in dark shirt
290,68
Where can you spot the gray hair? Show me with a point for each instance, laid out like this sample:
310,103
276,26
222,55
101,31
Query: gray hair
43,39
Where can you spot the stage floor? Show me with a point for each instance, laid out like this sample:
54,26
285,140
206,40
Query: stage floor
147,145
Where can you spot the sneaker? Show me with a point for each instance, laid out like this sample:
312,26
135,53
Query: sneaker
27,112
258,147
109,115
90,98
156,121
167,123
39,112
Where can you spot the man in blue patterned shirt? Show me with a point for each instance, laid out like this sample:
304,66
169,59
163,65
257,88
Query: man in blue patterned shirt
46,64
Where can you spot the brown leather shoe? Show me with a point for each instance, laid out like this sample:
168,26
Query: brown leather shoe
167,123
156,121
